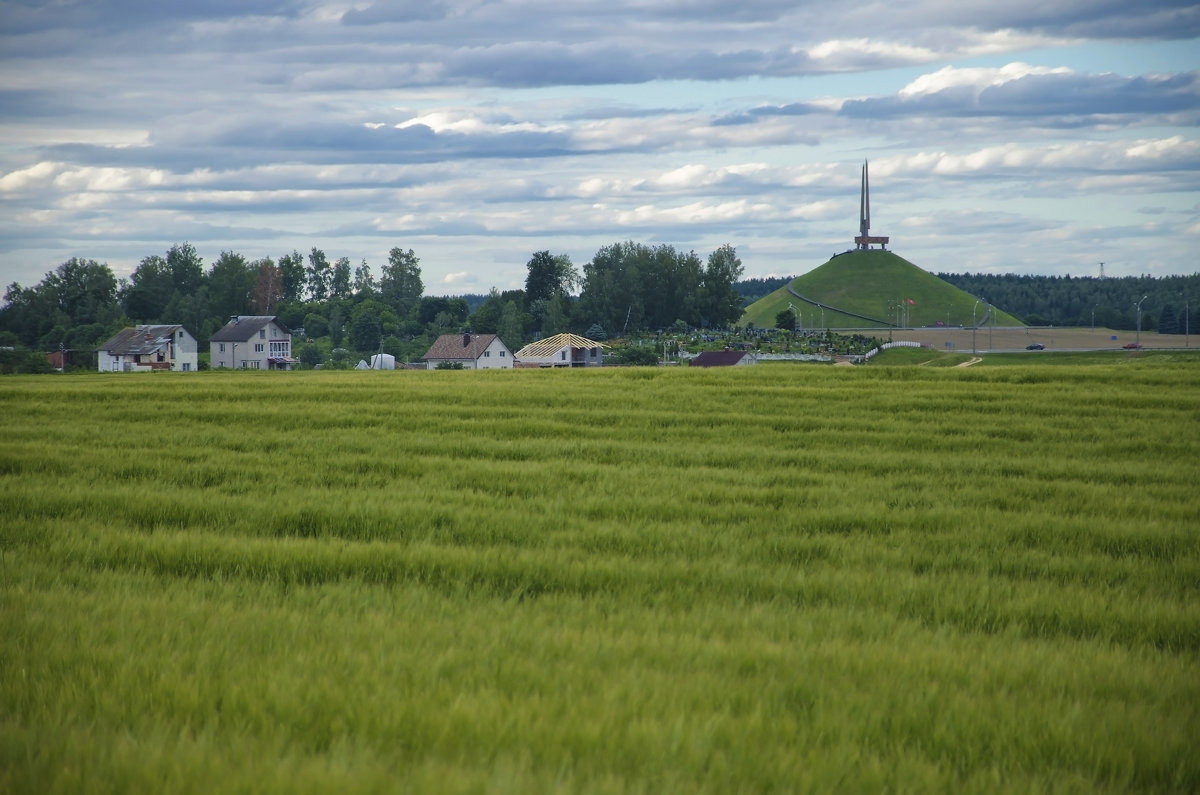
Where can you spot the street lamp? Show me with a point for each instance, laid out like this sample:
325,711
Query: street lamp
1139,321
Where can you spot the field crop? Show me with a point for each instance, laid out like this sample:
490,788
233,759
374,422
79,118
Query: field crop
636,580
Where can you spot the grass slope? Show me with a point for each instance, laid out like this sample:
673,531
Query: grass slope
637,580
867,283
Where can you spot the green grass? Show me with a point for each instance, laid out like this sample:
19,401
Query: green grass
868,283
637,580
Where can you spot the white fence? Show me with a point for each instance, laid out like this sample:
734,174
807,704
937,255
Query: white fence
889,346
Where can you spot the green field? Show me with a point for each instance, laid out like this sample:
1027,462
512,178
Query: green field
834,579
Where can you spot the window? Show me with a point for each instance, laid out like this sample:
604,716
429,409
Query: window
180,332
258,347
487,354
254,364
562,355
279,348
501,354
187,367
262,333
222,347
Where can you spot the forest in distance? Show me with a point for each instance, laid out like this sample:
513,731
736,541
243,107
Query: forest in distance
626,288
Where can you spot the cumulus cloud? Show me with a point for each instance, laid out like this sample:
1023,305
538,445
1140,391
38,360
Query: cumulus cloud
484,130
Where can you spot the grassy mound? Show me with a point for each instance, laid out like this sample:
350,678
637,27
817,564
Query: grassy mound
872,284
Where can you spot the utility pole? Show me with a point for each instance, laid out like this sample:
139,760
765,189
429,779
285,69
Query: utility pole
1139,321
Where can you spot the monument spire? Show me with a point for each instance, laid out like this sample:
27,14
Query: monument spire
864,239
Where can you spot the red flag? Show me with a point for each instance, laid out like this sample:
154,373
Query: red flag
912,301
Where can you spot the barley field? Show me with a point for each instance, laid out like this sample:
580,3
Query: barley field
759,579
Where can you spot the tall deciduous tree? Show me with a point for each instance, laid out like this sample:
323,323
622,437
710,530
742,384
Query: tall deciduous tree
86,291
364,282
151,288
187,269
339,285
268,286
230,285
722,304
400,284
292,275
549,275
319,274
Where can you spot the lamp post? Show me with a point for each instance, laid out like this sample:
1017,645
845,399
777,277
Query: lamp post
1139,321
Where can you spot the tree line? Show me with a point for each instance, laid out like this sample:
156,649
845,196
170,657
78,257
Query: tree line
345,309
1166,301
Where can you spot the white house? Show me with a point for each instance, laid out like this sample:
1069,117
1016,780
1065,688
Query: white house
562,350
146,348
472,351
252,342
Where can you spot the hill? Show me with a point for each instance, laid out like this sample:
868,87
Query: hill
863,289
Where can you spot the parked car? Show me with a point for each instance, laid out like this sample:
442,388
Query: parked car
1132,345
1036,346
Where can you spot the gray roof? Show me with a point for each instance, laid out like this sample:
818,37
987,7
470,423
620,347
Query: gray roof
452,346
718,358
243,327
140,340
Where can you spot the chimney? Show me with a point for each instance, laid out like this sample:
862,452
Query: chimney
234,319
466,338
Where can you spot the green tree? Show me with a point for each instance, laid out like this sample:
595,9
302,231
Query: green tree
319,274
367,323
486,319
292,276
86,291
268,286
722,304
786,320
339,285
511,328
549,275
230,285
151,287
400,284
1168,322
187,269
310,354
364,282
337,325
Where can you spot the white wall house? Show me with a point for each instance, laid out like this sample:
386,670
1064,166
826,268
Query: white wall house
252,342
562,350
147,348
472,351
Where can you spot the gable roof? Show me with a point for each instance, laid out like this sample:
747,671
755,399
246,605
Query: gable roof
718,358
459,346
243,327
552,345
140,340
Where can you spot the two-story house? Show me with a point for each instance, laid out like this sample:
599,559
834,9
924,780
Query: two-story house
252,342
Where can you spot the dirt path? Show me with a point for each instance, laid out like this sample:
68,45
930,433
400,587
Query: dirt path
969,362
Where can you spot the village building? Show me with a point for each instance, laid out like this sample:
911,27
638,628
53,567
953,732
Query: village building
148,348
724,359
252,342
562,350
469,351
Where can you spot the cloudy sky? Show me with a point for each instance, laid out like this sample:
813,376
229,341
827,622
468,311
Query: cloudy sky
1030,136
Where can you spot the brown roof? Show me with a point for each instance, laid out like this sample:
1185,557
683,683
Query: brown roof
459,346
718,358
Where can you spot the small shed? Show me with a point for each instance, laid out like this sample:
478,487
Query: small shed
724,359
